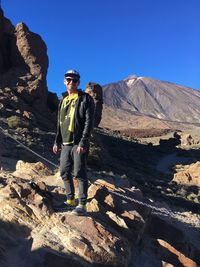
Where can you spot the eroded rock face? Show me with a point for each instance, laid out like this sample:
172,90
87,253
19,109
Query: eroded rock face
23,68
32,49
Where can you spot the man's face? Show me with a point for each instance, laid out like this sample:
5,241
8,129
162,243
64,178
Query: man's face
71,83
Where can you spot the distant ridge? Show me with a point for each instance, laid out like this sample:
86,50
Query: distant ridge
141,102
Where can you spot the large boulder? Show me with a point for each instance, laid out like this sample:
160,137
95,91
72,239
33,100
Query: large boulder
95,90
186,140
190,176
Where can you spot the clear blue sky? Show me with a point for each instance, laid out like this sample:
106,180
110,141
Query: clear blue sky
108,40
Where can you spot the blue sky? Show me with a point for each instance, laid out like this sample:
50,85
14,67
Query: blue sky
108,40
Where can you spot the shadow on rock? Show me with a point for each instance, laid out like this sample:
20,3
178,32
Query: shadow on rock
16,249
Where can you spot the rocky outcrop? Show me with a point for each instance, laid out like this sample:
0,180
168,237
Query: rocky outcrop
190,176
10,57
23,68
33,50
186,140
95,90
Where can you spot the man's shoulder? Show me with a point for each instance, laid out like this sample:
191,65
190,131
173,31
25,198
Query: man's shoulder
84,95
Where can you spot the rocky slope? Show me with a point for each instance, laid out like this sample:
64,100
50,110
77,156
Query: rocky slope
136,216
146,102
116,232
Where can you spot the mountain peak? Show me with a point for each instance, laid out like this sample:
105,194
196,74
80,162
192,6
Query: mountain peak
131,79
153,99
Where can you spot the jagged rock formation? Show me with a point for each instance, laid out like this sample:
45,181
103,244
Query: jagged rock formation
95,90
23,69
33,50
149,103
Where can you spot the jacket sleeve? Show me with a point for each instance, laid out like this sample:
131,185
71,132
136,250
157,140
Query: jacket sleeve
58,139
89,121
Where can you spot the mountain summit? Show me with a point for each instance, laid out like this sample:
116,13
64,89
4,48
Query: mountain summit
147,97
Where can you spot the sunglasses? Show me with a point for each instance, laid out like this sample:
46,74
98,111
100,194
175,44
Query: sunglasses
71,80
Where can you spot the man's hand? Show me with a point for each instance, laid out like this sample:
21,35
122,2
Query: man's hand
80,150
56,149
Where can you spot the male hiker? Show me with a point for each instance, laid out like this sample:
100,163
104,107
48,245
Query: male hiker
75,123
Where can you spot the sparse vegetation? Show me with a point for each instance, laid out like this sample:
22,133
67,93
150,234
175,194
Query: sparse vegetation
14,121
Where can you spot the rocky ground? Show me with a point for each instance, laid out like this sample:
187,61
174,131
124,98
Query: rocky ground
137,215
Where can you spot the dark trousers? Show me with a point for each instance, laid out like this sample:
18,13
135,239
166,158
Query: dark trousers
74,164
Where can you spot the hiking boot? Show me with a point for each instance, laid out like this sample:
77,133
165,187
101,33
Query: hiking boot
69,204
80,210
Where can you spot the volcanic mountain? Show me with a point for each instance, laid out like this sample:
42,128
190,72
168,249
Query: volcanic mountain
140,102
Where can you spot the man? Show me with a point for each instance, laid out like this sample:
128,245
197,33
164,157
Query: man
75,123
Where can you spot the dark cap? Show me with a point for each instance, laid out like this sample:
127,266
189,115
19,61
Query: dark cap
72,73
